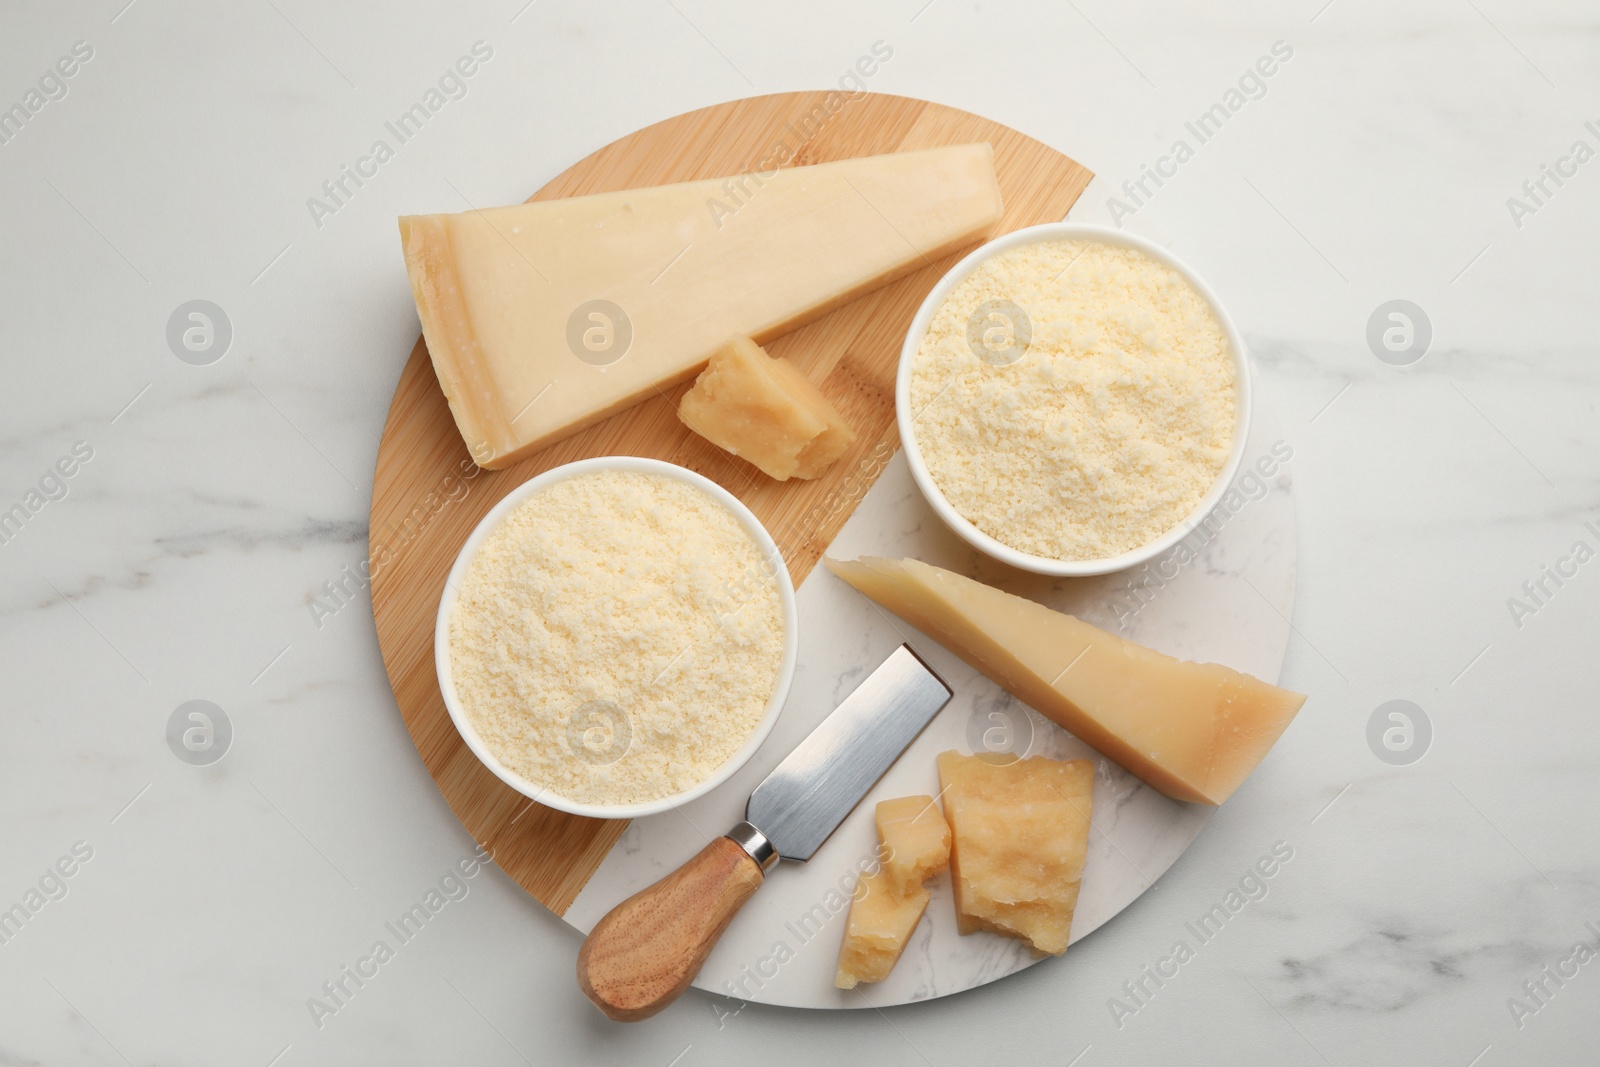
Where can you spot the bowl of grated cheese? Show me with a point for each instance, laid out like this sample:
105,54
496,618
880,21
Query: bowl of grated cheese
617,637
1072,399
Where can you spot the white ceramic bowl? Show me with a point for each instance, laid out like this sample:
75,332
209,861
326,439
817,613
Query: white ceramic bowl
1067,231
441,637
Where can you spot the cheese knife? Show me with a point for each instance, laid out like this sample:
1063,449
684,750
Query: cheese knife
647,950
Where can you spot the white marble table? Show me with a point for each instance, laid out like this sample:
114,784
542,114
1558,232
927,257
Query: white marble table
212,509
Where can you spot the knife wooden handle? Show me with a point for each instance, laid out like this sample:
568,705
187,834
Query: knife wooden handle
647,949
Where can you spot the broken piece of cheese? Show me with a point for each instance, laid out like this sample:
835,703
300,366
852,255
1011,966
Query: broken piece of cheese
915,845
1195,731
764,410
915,839
1020,835
545,317
880,924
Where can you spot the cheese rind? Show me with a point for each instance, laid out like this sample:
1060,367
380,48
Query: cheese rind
1195,731
1020,834
509,297
765,411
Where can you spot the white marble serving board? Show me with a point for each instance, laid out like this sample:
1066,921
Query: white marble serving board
1231,603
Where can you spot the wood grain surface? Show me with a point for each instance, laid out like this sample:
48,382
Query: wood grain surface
428,495
646,951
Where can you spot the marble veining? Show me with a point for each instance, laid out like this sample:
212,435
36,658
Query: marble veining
1377,166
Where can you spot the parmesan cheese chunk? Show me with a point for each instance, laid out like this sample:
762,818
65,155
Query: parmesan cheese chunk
764,410
916,838
1020,835
882,919
914,842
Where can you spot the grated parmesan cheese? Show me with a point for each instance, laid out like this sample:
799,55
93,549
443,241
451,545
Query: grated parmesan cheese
617,637
1108,430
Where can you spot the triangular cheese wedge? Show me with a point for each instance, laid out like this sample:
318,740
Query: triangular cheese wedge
1195,731
545,317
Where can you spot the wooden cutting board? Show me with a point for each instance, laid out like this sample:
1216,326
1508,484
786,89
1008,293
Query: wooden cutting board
427,495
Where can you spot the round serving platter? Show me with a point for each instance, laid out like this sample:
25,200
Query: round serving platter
1230,602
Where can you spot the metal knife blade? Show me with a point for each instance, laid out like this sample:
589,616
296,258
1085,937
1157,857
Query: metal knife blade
799,805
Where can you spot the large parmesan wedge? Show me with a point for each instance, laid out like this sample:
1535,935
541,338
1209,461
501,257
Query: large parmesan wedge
545,317
1195,731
